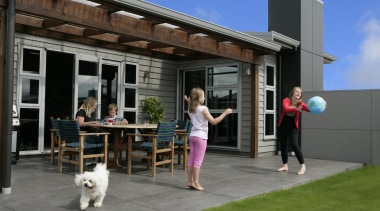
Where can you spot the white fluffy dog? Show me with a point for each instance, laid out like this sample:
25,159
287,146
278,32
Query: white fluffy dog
94,185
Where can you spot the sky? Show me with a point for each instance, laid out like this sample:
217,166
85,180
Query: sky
351,33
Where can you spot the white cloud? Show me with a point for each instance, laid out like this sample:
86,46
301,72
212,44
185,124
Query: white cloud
364,72
210,16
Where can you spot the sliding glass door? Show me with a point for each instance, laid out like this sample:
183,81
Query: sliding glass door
221,85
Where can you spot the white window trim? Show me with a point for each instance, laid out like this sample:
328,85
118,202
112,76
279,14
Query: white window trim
271,88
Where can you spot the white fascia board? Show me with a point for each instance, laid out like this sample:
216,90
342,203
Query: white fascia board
328,58
272,36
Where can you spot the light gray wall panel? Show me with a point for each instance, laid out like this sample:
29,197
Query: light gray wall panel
375,153
375,110
317,73
307,71
349,110
317,27
342,145
245,129
306,25
347,131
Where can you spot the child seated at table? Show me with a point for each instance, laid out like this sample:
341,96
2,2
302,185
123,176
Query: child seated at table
116,119
112,115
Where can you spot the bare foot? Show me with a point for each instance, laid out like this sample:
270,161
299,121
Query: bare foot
283,168
197,187
302,170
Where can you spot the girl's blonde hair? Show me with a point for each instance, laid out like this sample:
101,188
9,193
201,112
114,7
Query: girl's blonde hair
88,105
194,99
292,92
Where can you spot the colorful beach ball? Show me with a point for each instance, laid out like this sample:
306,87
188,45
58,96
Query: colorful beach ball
316,105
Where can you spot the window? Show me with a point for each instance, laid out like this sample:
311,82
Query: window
88,80
30,76
270,102
29,90
130,92
31,61
31,98
221,93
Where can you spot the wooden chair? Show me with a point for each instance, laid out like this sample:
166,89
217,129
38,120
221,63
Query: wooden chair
54,138
69,131
181,142
159,145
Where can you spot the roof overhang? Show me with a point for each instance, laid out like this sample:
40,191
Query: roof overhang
328,58
150,30
285,42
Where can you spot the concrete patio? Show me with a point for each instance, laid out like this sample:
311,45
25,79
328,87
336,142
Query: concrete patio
37,185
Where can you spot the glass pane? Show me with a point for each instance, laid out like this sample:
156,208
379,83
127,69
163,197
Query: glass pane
130,98
87,80
193,79
29,91
28,132
130,116
224,133
222,76
109,87
270,100
130,74
222,99
270,76
269,124
31,61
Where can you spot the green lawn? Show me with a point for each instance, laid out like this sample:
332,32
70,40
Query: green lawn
353,190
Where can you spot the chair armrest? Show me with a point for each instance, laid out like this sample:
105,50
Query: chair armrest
94,134
141,135
182,132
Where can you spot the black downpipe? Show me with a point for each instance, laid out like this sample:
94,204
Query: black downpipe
8,99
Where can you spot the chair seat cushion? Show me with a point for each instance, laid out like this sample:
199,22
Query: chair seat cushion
178,142
86,146
148,146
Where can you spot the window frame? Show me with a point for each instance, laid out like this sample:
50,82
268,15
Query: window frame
273,111
124,86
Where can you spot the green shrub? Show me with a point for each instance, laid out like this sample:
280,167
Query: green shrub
154,108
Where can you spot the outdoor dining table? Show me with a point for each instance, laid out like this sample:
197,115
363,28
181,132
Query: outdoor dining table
119,143
117,131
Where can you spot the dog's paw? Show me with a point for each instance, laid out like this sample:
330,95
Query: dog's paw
83,205
98,204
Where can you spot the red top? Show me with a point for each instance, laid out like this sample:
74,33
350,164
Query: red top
287,109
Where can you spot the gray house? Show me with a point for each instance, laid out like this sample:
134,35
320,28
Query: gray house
127,50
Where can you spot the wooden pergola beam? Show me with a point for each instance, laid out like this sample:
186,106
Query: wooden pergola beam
96,18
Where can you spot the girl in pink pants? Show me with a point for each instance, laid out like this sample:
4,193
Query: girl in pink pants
200,117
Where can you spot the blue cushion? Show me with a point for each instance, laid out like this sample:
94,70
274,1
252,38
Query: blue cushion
69,131
86,146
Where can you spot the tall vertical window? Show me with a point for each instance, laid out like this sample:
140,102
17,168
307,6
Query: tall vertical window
270,101
221,93
30,98
130,92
